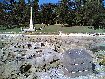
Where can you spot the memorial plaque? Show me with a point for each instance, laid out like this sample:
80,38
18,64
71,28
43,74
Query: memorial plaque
77,62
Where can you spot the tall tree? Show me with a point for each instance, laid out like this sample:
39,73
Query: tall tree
48,13
35,11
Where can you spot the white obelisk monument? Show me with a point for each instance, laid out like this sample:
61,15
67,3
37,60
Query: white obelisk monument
31,28
31,22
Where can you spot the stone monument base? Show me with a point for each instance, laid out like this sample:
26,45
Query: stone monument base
28,30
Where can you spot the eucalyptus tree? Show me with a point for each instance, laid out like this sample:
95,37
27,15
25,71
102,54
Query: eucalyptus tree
47,13
36,11
81,12
2,13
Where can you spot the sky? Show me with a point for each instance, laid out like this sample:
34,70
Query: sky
40,1
47,1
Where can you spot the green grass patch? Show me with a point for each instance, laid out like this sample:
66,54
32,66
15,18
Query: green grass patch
56,29
17,30
73,29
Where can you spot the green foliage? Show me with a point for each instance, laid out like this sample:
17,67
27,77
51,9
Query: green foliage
84,13
47,13
19,13
99,21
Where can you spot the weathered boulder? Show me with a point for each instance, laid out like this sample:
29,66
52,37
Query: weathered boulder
77,62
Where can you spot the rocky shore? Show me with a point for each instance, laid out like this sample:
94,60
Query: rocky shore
40,57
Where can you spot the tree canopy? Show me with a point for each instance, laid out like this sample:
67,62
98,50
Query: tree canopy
71,12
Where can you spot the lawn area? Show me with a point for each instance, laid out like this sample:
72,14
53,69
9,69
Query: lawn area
73,29
3,29
56,29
